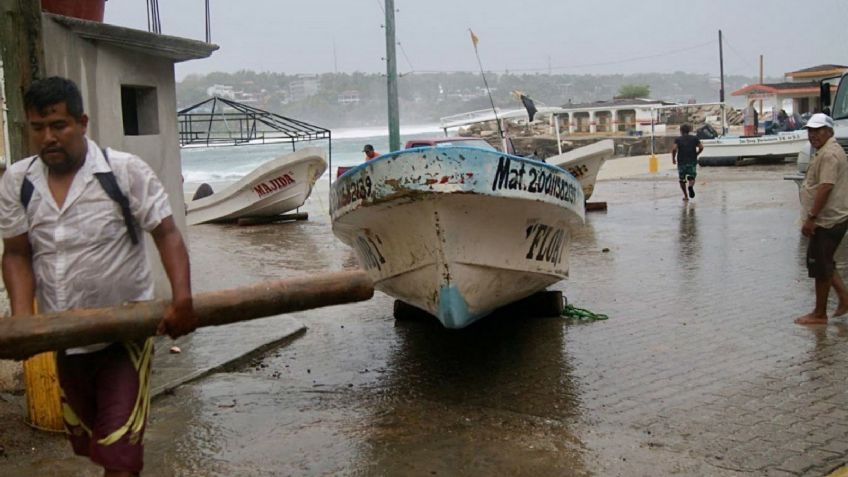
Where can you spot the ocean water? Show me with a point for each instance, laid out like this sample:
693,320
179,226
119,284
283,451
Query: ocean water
220,165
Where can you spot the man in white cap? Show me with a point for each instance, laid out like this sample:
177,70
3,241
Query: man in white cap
824,201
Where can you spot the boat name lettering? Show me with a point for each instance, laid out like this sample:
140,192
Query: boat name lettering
354,190
369,252
541,180
546,243
277,183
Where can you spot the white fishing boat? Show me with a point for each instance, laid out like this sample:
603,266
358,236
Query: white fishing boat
458,231
585,162
276,187
784,144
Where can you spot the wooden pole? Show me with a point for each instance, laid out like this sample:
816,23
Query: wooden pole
22,52
761,82
25,336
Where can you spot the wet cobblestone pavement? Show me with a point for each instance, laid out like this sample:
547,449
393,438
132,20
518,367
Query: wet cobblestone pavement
698,371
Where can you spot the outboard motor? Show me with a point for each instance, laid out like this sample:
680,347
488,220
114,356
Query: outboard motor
706,132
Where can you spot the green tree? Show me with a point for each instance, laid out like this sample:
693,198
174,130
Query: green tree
631,91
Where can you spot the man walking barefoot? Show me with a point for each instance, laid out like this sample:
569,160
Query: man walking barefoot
684,153
824,201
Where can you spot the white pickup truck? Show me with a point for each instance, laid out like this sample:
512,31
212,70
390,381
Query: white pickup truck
839,113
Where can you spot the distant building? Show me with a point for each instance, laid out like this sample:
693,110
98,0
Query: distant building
221,91
618,115
349,97
799,93
303,87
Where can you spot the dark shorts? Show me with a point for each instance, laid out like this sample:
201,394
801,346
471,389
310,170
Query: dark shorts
687,170
105,402
821,248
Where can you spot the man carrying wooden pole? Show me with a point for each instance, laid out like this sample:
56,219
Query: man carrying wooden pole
72,219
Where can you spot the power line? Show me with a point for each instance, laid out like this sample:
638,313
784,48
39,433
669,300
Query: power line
740,57
587,65
402,50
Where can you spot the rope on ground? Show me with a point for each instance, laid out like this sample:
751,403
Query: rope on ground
583,314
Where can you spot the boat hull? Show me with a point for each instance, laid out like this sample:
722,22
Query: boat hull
274,188
441,229
775,145
585,162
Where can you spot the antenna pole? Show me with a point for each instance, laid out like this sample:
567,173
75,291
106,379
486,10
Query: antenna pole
488,91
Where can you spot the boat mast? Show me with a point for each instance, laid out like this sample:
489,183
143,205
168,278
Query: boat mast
391,72
501,134
721,91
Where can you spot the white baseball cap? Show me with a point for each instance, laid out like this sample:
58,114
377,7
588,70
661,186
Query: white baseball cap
819,120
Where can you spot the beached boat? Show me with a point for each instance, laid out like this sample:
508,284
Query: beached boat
458,231
585,162
276,187
784,144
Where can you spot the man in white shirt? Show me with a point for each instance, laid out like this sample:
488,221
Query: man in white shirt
824,200
70,242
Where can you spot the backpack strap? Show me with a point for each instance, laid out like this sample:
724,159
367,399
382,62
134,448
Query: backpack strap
26,186
107,182
110,185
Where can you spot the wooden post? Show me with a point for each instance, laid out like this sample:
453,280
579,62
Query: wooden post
24,336
22,52
44,409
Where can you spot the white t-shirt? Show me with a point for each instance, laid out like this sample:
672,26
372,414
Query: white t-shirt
82,253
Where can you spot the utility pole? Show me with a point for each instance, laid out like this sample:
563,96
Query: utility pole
22,55
391,72
761,82
721,91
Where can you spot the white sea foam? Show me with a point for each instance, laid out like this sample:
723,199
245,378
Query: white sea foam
383,131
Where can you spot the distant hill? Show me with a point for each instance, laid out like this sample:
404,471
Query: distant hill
359,99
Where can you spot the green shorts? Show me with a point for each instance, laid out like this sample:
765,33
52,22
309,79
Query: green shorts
687,171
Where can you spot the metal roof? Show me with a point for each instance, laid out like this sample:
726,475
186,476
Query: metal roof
223,122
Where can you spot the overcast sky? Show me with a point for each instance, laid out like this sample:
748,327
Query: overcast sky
560,36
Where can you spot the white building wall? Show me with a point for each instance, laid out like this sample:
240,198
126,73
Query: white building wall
100,70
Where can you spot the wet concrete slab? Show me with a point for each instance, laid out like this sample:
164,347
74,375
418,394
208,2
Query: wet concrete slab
698,371
213,349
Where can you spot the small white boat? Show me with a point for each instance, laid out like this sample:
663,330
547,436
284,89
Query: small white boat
276,187
458,231
784,144
585,162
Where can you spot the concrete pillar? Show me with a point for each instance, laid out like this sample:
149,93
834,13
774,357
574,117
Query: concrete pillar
593,128
571,125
